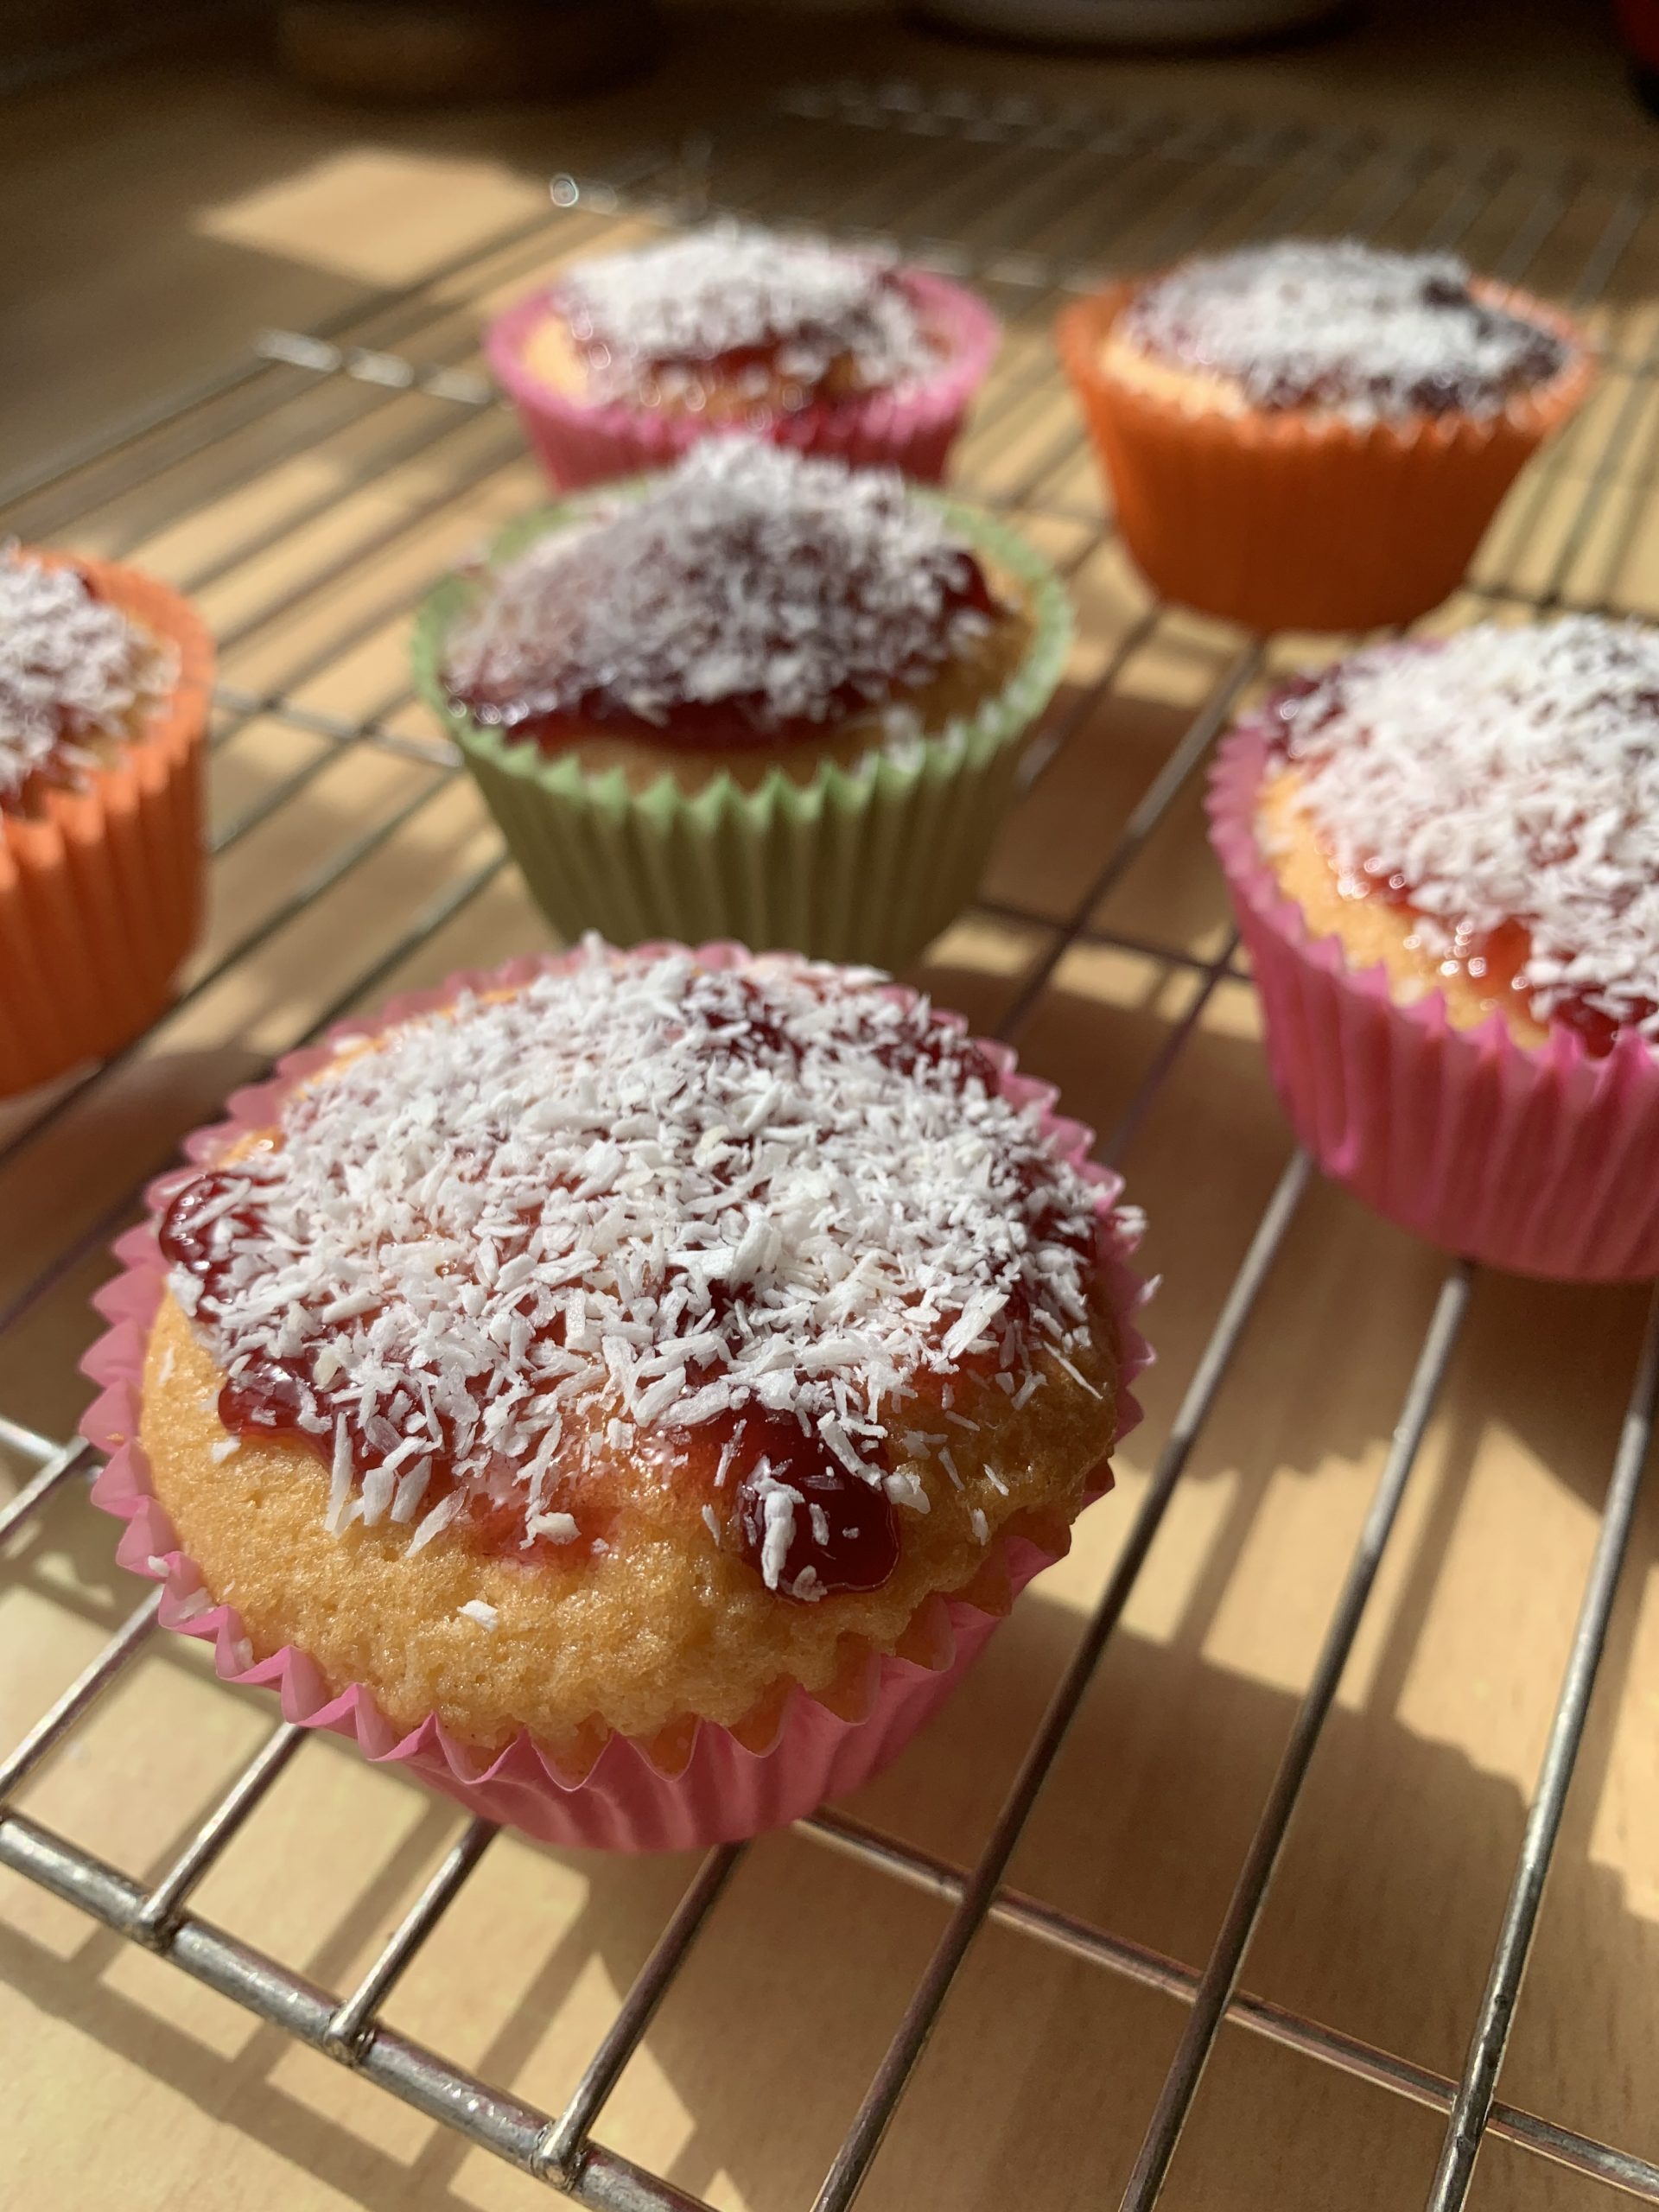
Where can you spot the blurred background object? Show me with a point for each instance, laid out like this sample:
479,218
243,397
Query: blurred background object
1162,24
431,50
1638,26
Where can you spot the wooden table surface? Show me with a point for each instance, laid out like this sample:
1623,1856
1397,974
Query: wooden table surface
163,212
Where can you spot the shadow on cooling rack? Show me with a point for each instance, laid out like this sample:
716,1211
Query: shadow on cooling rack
1044,2068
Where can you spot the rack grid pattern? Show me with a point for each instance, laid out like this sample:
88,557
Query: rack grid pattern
1018,198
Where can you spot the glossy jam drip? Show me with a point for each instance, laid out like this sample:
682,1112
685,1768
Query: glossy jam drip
738,721
199,1225
270,1397
843,1530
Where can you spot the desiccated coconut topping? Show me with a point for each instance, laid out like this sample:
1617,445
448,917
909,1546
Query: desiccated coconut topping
1505,776
636,1210
74,668
1345,326
748,579
748,298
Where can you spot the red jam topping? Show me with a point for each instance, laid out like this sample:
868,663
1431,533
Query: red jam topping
1378,334
1503,787
745,313
273,1397
640,1221
825,1528
752,597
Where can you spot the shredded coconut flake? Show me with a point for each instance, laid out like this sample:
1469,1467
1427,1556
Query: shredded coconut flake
1502,776
73,668
803,306
820,1266
793,589
1374,334
557,1528
478,1610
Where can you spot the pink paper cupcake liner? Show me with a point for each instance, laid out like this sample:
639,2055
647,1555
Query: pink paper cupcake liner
1543,1159
625,1801
579,442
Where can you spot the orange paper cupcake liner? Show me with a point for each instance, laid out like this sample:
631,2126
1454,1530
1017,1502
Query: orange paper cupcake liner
100,886
1298,520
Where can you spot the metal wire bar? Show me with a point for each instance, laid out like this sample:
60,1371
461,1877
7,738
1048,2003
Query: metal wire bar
1149,810
900,103
50,1730
420,445
29,1443
560,2154
153,501
1122,1132
1623,220
1056,189
1511,264
84,453
272,1991
1141,177
1496,2016
1602,472
863,2138
189,408
351,2020
1144,948
1152,1969
370,730
187,399
69,1460
1220,1978
450,323
260,810
508,455
154,1922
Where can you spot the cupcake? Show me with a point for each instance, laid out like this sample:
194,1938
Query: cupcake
105,682
1314,436
631,358
1445,857
761,696
626,1388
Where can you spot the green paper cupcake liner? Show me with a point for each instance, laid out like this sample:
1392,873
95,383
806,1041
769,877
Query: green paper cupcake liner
864,863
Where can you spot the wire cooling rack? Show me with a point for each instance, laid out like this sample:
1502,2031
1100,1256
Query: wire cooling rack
306,494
